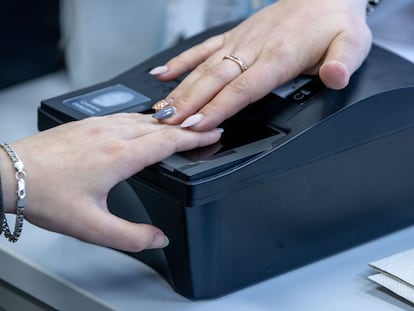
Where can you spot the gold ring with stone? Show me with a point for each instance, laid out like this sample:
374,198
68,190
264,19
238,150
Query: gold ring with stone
237,60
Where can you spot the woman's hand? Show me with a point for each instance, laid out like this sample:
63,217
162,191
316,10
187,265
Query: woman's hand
71,168
291,37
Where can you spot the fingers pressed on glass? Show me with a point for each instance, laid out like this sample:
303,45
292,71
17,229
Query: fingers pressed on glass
202,85
123,125
239,93
154,147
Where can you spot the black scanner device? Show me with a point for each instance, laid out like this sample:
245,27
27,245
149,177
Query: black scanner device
301,174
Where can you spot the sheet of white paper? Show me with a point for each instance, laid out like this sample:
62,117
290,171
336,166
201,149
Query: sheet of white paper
396,286
400,266
396,273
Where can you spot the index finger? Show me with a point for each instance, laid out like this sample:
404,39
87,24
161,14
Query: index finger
242,91
156,146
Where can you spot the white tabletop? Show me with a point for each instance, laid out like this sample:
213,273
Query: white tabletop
335,283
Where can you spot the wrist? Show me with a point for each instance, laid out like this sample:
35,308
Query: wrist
8,183
20,176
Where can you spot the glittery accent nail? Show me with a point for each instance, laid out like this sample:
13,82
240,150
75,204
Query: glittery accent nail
165,113
192,120
161,104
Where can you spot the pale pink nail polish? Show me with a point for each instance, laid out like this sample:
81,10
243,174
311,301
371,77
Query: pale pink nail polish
218,130
158,70
192,120
159,241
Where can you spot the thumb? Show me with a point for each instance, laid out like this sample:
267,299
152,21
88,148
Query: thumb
344,56
106,229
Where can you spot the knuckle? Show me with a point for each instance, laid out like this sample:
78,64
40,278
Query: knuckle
166,142
241,88
214,109
171,137
217,74
214,72
203,68
97,130
180,61
184,100
115,148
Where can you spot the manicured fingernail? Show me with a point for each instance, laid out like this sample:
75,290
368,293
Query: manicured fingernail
165,113
162,104
192,120
218,130
160,241
158,70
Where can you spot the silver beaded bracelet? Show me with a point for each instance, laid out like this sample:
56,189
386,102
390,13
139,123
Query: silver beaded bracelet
21,195
1,207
